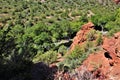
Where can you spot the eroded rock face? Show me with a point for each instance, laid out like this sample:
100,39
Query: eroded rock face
105,64
81,35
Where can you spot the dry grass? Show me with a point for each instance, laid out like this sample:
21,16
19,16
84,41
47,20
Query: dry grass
83,74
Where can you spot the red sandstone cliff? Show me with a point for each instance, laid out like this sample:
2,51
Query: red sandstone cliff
104,64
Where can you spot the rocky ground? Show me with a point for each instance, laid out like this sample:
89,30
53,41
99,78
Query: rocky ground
103,64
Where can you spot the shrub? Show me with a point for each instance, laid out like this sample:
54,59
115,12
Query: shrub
83,74
114,30
99,40
88,45
110,25
76,53
74,59
74,14
48,57
51,20
62,50
91,35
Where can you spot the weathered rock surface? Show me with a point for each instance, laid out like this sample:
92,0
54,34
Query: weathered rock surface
81,35
105,64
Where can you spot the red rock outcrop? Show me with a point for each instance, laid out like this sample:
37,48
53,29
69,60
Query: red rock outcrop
105,64
81,35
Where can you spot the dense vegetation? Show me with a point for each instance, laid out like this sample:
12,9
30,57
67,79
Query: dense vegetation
31,30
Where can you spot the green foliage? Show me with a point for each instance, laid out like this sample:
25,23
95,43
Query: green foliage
48,57
62,50
75,58
114,30
30,29
88,45
102,19
110,25
91,35
114,26
30,12
40,38
76,53
76,25
118,14
99,40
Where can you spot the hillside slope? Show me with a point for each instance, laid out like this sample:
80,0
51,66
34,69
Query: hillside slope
101,64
